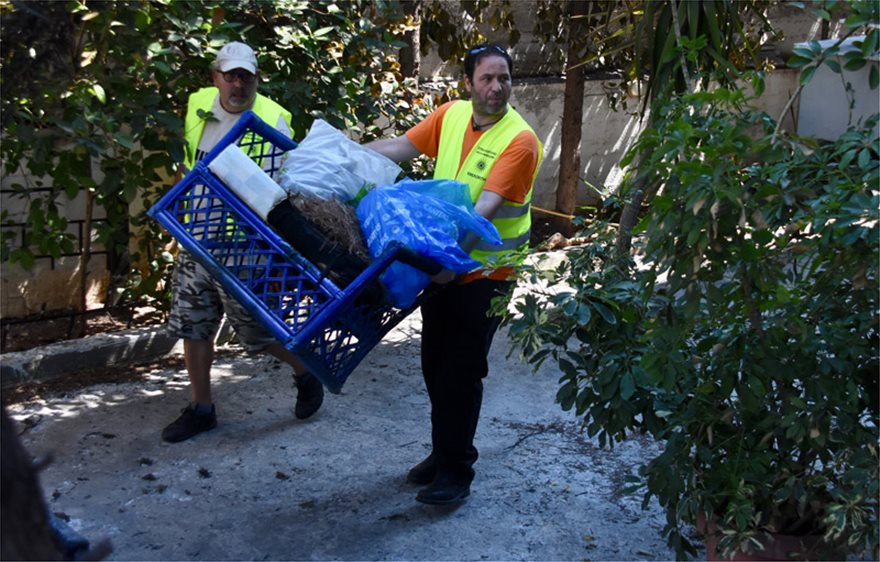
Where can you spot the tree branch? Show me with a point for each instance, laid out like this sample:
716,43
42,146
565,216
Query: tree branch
677,28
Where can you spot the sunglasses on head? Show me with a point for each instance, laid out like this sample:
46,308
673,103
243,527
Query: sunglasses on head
480,48
242,75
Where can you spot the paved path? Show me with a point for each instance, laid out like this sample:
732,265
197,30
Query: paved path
264,486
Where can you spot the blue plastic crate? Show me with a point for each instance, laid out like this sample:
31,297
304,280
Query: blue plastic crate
329,328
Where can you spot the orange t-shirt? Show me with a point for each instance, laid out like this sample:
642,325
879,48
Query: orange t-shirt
510,176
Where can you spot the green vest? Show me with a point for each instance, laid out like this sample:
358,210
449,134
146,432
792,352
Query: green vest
513,220
203,100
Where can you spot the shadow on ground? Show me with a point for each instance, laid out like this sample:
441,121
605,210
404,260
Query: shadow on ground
264,486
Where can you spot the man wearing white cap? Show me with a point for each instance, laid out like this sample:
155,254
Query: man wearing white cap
198,301
235,76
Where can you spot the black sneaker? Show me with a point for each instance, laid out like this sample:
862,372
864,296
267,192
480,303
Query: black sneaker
189,424
309,395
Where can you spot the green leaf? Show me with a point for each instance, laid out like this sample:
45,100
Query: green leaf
604,312
833,65
807,74
854,63
129,192
803,52
125,141
711,22
758,84
584,315
627,386
763,236
869,44
24,258
142,20
162,67
874,77
797,61
756,386
782,294
566,395
864,158
98,91
856,20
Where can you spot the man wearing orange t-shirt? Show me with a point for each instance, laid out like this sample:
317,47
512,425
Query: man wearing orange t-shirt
486,144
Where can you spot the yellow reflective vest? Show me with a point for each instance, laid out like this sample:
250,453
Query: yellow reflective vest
513,220
203,100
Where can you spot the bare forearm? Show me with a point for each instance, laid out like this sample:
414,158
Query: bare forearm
398,149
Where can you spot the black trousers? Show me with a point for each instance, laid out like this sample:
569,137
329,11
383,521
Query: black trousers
456,337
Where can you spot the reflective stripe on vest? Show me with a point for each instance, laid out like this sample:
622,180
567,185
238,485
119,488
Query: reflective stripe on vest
203,100
513,220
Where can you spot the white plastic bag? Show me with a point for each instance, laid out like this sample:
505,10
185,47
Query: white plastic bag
328,164
240,174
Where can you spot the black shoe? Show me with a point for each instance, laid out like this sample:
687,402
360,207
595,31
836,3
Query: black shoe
189,424
423,473
445,490
309,395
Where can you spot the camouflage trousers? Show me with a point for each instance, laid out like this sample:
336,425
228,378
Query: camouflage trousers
198,303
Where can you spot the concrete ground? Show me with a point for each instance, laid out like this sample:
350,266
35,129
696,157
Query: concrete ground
264,486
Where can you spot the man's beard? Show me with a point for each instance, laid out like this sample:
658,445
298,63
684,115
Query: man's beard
495,110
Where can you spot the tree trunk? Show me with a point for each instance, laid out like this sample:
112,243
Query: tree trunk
572,118
629,216
410,56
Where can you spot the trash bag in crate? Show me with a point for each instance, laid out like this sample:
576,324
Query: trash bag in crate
330,328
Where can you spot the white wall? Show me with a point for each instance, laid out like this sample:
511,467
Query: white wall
827,108
605,134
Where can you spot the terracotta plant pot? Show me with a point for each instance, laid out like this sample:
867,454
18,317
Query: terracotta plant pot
776,547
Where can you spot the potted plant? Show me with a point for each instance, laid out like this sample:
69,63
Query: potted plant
745,336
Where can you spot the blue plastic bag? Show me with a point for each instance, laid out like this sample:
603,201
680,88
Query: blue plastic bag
430,217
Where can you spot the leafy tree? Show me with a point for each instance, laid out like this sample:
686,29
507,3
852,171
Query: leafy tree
677,46
745,339
93,95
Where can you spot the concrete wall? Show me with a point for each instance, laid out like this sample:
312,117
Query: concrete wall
51,284
827,109
606,134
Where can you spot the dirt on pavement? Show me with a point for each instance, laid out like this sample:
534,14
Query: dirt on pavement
264,486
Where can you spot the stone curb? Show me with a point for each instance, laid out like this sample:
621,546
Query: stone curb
64,358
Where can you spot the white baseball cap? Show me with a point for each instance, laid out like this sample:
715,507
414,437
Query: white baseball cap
236,55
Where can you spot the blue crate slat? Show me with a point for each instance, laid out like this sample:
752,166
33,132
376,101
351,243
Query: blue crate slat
264,144
329,328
